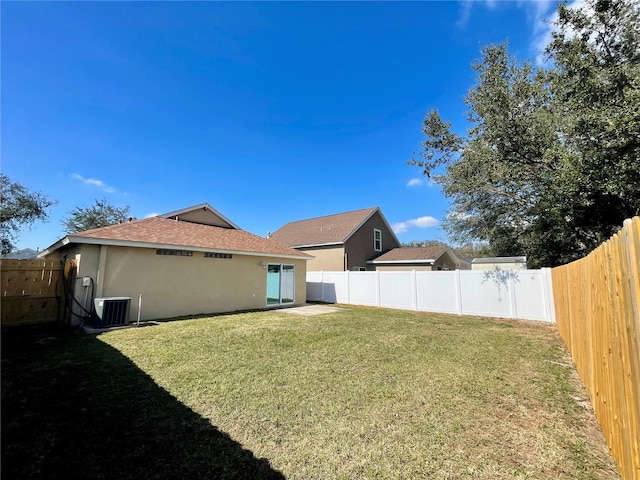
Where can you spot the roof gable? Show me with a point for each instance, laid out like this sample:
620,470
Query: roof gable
202,213
327,230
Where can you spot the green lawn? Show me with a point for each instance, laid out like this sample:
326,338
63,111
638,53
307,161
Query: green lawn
362,393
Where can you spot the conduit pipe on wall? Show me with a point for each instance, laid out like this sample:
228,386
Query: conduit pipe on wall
139,309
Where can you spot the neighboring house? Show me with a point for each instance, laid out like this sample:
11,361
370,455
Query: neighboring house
24,254
186,262
437,257
502,263
344,241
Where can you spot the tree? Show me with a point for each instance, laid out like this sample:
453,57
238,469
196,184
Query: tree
497,173
423,243
101,214
596,50
19,207
472,250
549,168
467,250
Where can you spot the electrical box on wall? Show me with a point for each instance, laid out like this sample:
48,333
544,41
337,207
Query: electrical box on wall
86,281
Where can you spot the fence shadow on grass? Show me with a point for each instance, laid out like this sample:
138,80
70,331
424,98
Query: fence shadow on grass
74,407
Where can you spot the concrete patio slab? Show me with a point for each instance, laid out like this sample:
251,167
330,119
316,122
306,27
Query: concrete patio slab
311,310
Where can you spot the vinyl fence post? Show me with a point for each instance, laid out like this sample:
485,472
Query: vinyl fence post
414,285
378,288
348,287
322,286
458,293
513,307
547,295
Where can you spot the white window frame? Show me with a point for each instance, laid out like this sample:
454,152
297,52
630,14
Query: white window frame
376,240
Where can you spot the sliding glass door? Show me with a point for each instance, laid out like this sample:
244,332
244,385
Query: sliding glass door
281,280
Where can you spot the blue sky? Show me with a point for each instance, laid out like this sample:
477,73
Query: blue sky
269,111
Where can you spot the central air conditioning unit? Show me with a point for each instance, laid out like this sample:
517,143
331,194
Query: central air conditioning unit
112,311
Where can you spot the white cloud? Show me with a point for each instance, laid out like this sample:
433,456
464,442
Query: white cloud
541,15
465,10
545,17
152,214
419,181
465,13
420,222
94,182
543,25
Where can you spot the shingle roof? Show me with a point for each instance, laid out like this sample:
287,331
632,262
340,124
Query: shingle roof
156,231
330,229
499,260
409,254
24,254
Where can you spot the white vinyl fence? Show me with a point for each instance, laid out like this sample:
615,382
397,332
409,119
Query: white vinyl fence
525,294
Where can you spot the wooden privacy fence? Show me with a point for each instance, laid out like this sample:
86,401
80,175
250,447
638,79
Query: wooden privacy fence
32,291
597,313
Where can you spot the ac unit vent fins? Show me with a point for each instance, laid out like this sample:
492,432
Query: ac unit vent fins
112,311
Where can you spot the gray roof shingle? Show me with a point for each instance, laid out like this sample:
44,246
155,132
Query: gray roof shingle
409,254
156,231
330,229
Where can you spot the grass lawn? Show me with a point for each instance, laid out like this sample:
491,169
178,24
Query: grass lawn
361,393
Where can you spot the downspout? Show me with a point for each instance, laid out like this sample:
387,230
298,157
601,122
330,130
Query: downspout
102,263
346,262
139,309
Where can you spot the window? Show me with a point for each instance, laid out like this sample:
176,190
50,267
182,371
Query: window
377,240
175,253
217,255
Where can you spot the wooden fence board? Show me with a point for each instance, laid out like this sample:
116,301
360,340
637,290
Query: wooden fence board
597,314
31,291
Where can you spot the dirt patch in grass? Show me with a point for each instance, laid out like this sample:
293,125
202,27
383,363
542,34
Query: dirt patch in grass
361,393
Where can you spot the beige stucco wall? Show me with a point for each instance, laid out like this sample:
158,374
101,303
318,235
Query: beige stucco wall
86,263
174,286
326,258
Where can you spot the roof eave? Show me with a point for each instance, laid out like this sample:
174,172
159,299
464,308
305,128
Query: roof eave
311,245
381,262
56,246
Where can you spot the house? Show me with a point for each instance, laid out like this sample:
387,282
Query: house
344,241
24,254
438,257
186,262
501,263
